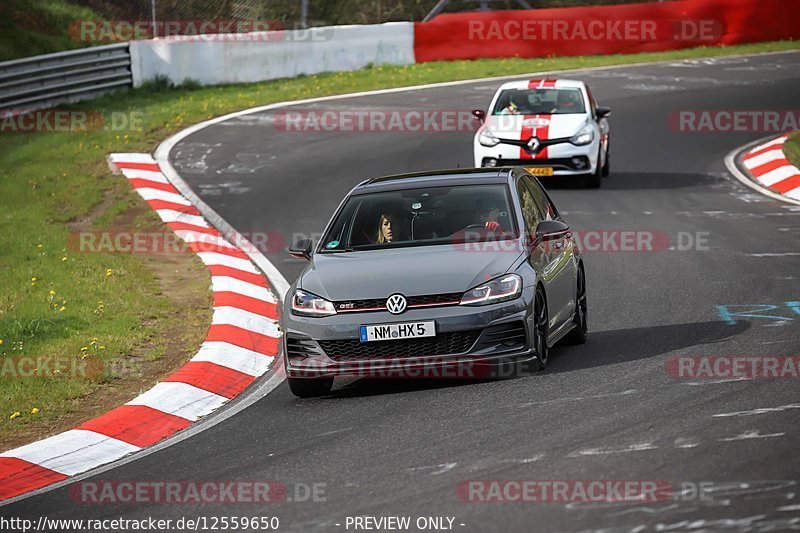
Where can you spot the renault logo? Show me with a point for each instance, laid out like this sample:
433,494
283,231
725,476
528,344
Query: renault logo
533,145
396,304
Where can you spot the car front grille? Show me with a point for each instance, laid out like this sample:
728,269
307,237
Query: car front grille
510,334
443,344
379,304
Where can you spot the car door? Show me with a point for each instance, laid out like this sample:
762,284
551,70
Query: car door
539,256
602,126
560,267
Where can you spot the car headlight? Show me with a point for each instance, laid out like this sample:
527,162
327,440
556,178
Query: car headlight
307,304
500,289
487,138
585,136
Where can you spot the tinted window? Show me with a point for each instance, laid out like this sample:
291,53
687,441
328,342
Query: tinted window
416,217
530,212
544,204
539,101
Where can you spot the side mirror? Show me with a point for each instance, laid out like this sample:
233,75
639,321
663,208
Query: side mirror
548,230
301,249
603,112
480,114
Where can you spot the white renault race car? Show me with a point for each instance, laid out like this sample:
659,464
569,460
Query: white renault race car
550,127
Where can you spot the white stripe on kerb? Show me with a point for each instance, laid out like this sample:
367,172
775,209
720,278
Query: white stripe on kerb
180,399
229,284
240,318
234,357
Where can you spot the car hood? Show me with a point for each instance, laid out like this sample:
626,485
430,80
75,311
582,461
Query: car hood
410,271
541,126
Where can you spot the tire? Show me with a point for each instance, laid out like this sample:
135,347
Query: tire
580,332
310,387
607,164
541,329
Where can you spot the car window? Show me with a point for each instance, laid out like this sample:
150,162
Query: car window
530,211
422,216
543,202
539,101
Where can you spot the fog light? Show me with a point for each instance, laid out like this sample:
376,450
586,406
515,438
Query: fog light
579,162
490,162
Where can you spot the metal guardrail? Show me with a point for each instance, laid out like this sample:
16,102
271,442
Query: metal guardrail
64,77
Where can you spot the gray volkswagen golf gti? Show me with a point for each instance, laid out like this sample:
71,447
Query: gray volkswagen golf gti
429,274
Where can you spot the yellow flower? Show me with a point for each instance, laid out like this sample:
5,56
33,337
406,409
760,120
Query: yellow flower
39,245
62,308
84,348
34,410
52,293
109,272
102,347
64,258
33,280
1,341
15,415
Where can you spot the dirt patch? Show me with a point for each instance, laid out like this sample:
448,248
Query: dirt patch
183,281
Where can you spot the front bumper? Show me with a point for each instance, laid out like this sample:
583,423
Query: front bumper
487,337
565,158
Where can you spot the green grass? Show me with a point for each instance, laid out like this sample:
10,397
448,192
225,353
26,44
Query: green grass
792,149
33,27
49,181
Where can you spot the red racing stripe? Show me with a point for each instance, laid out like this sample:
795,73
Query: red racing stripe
249,277
263,344
138,183
789,184
21,476
152,167
239,301
212,377
542,133
136,424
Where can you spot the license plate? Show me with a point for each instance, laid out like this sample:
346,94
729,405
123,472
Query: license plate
540,171
390,332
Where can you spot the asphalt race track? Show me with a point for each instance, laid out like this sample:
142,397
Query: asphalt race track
606,410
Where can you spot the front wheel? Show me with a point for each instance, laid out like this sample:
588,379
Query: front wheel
580,332
310,387
541,329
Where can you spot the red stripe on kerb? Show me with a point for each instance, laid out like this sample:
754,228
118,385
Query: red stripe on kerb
769,166
209,247
136,424
177,226
239,301
138,183
263,344
789,184
249,277
212,377
18,477
164,204
152,167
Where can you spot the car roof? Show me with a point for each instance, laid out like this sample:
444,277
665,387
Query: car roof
461,176
557,83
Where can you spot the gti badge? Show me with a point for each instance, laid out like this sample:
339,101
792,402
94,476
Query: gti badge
533,145
396,304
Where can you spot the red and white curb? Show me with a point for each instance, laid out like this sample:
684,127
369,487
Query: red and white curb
240,346
768,166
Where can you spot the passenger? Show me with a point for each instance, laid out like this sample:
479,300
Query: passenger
518,101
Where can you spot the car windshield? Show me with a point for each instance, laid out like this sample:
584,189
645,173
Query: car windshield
419,217
539,102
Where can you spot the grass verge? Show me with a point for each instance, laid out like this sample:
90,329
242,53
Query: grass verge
792,148
123,310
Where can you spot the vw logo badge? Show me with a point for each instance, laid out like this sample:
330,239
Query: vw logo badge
533,145
396,304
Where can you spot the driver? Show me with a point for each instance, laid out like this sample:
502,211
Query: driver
389,225
518,100
488,215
